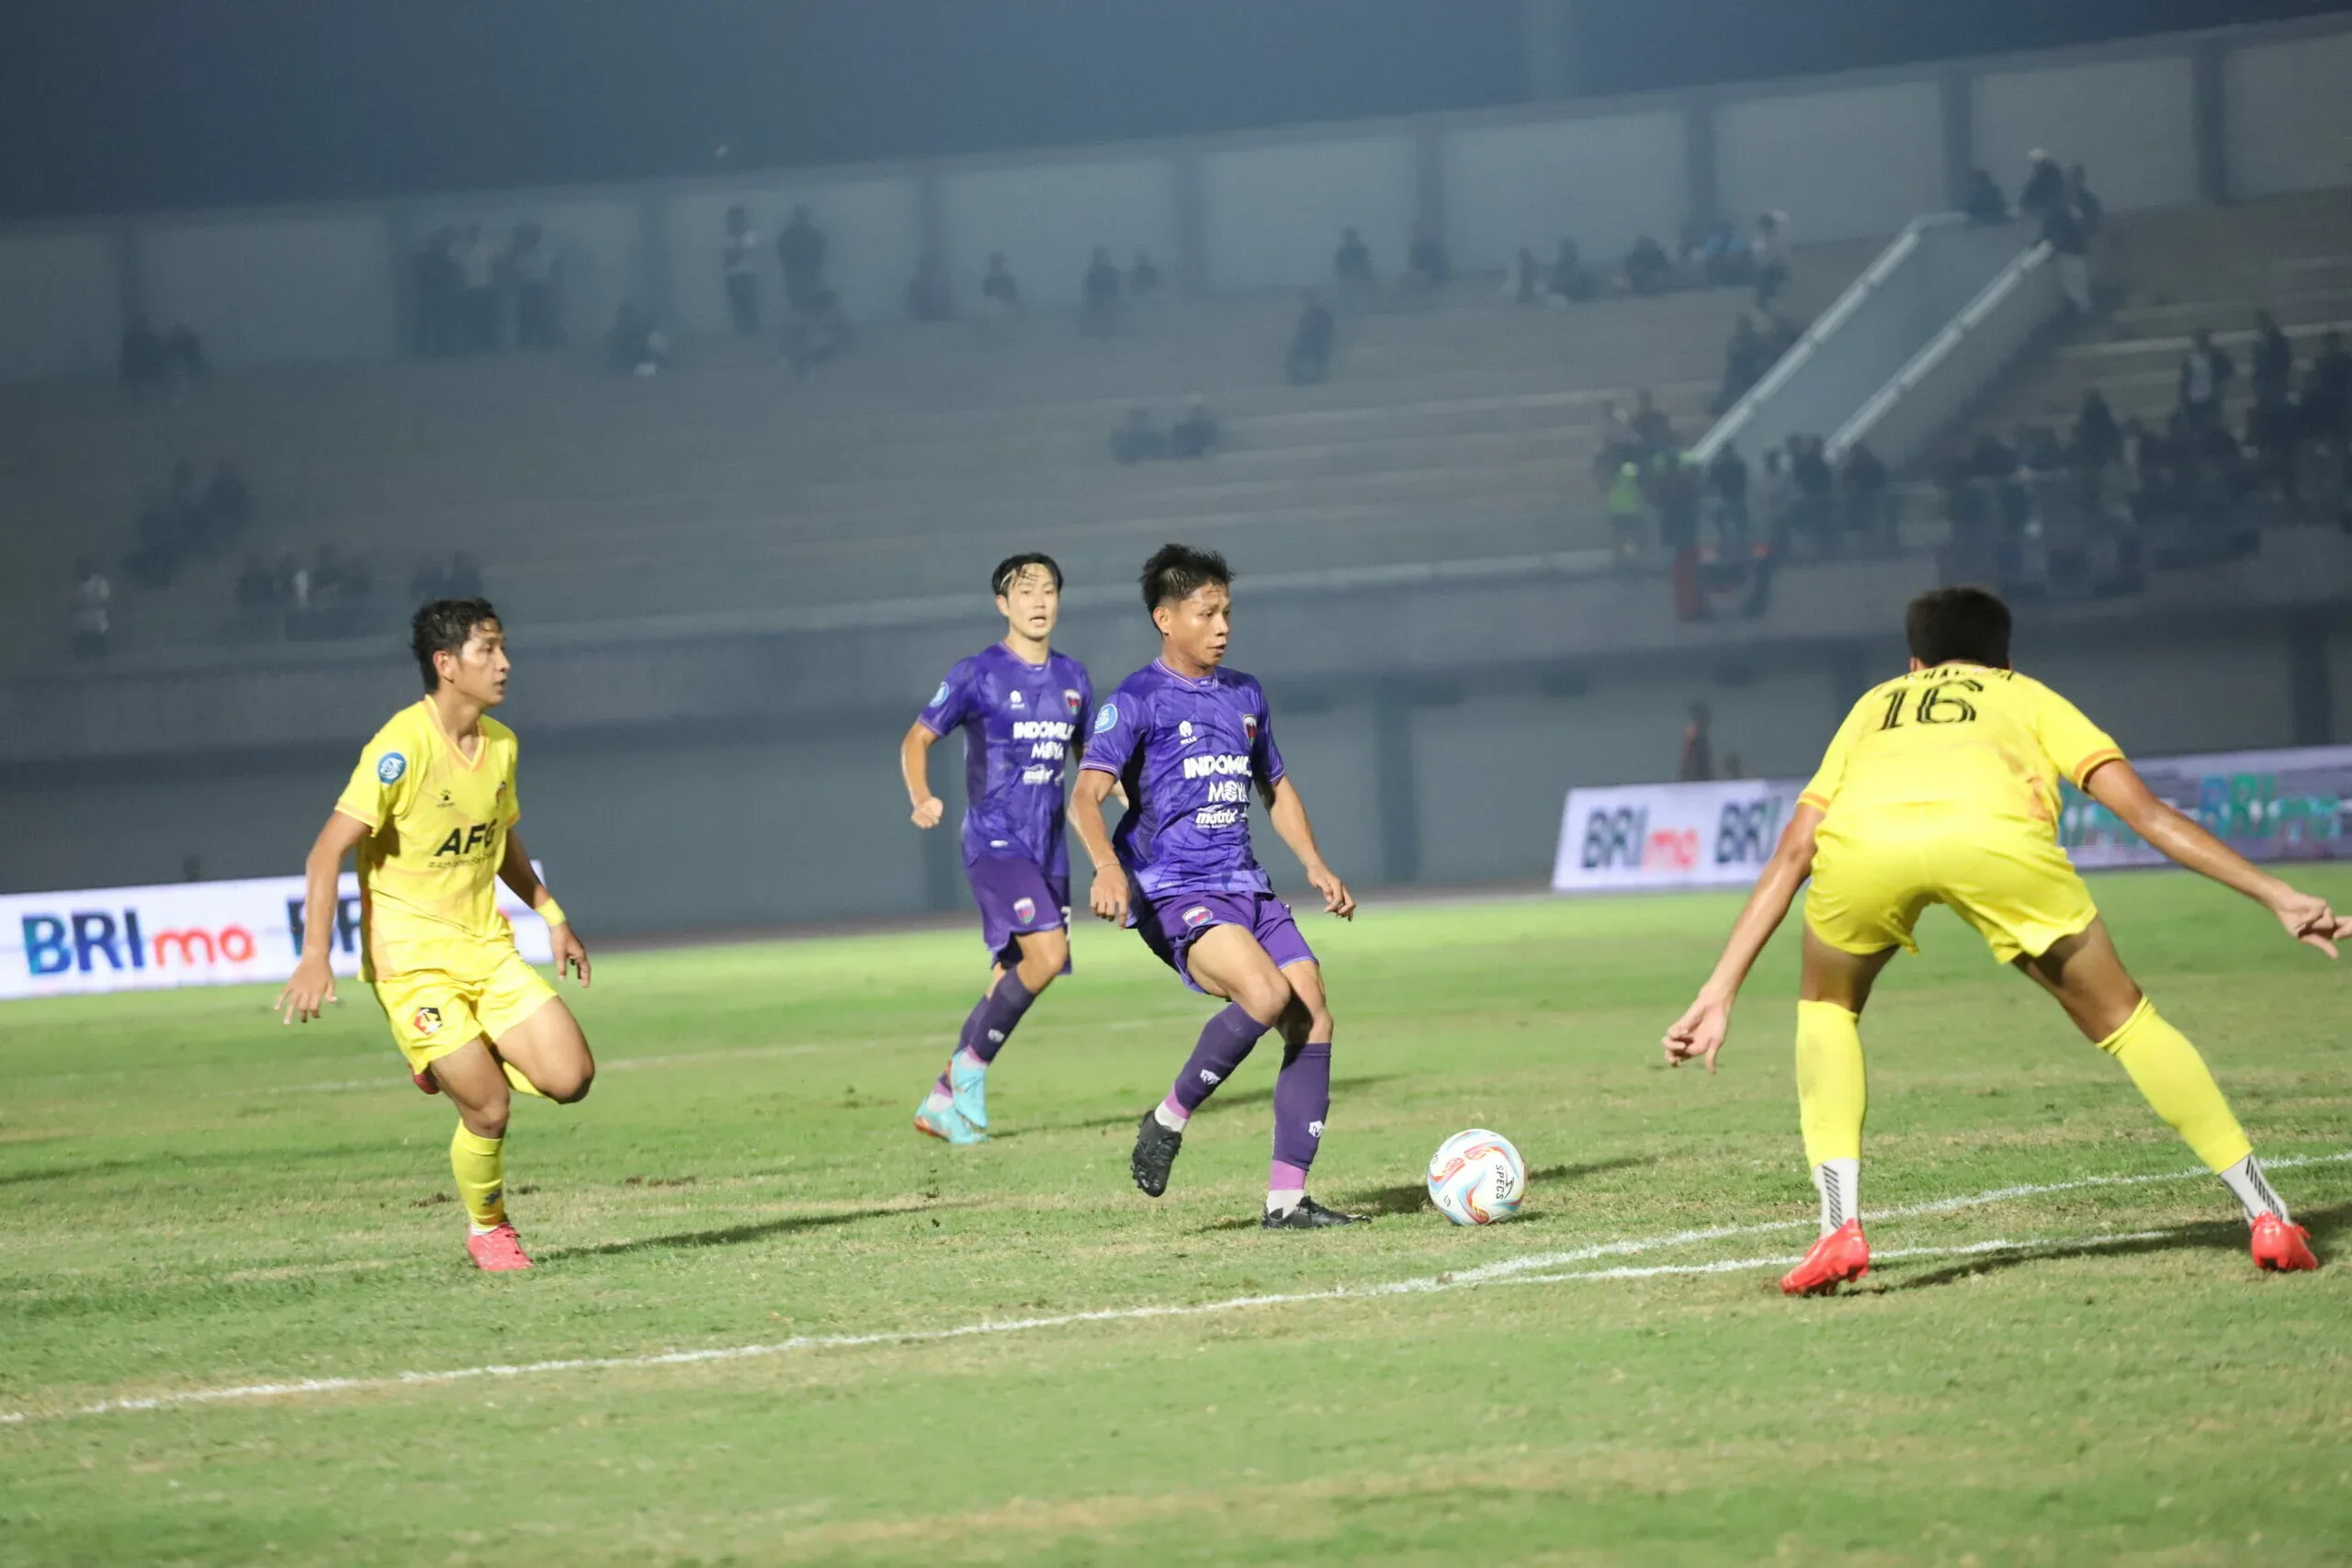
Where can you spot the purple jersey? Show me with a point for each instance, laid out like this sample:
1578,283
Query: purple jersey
1020,722
1188,754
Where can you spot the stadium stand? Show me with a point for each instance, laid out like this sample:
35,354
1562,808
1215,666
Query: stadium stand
730,487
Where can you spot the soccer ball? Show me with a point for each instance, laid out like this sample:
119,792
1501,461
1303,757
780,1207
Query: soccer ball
1477,1177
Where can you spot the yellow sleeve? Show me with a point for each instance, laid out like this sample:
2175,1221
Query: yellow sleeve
514,799
383,779
1832,771
2073,744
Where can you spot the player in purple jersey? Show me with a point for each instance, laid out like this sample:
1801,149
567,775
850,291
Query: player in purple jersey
1020,705
1188,740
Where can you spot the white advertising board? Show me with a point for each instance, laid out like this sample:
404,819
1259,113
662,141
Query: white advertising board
188,934
1676,835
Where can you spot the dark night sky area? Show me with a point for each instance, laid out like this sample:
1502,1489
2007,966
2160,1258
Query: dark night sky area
116,104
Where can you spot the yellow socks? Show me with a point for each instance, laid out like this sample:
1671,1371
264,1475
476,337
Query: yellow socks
514,1078
480,1166
1831,1101
2174,1078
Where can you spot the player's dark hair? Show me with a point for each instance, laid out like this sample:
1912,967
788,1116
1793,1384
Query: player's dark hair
1175,572
442,626
1969,624
1012,567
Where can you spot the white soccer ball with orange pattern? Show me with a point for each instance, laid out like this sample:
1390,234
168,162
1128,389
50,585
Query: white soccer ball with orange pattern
1477,1177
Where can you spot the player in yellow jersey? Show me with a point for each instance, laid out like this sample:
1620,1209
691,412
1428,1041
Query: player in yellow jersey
431,810
1941,787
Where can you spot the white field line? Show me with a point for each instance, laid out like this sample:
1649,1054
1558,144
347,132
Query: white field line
1529,1269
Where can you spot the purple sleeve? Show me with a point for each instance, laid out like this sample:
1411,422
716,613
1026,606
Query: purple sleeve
951,704
1265,757
1118,730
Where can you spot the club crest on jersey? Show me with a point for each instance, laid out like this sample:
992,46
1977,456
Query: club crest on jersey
389,767
1013,700
449,800
1024,909
1105,717
1072,700
1196,916
426,1020
1249,727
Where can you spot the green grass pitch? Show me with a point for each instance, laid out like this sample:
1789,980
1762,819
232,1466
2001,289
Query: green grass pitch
194,1198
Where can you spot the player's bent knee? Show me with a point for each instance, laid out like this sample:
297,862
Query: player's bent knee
1267,999
571,1087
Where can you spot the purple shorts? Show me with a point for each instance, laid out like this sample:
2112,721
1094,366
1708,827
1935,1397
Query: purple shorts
1016,897
1171,924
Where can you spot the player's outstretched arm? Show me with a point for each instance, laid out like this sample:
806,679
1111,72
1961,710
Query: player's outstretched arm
1108,897
2118,786
1699,1033
312,985
914,767
517,872
1288,814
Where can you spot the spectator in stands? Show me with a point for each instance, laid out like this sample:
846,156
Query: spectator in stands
1098,313
2275,429
2328,399
2044,188
1523,279
1780,335
1776,495
2070,245
1143,276
531,263
1723,256
1429,268
800,248
1863,488
1746,359
1728,482
1138,440
739,262
1650,426
1815,484
1615,444
930,297
2270,363
1676,495
1000,296
1648,269
1985,203
1568,279
1351,264
477,290
636,346
439,290
2205,375
815,330
93,610
1768,256
1308,361
2089,210
1195,434
2098,440
1627,504
1696,764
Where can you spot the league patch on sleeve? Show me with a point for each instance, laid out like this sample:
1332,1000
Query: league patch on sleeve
389,767
1105,717
938,697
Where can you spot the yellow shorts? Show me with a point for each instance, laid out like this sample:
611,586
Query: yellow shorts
433,1012
1873,874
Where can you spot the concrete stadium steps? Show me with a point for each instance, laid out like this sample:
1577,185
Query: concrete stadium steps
2179,271
1464,430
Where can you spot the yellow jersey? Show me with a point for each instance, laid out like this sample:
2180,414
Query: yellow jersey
1962,734
429,868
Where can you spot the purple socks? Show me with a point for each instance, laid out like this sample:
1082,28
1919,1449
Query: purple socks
991,1021
1225,1042
1302,1098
